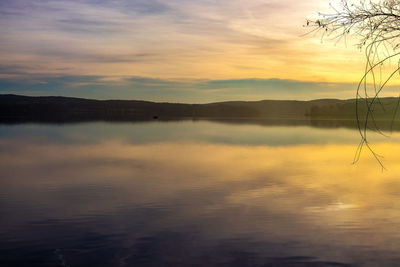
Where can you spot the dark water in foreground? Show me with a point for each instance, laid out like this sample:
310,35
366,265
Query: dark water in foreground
195,194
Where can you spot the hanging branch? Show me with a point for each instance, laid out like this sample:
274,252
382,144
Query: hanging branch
376,27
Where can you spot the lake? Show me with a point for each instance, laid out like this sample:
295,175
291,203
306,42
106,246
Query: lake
196,193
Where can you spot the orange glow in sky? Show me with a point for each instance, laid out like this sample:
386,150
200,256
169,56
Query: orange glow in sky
100,49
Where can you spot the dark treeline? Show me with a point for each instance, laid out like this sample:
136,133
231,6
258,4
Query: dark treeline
383,113
381,109
65,109
319,113
25,108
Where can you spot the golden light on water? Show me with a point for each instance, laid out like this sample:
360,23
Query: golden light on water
323,170
293,191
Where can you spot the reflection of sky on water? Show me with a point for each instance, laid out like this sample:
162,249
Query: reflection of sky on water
184,131
185,201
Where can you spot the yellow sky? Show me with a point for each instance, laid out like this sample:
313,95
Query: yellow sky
177,39
169,40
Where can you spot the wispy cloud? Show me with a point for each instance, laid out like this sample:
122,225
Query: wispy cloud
175,39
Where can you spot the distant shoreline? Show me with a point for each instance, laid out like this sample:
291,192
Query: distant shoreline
55,109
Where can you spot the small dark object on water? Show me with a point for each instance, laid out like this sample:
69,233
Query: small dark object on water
155,117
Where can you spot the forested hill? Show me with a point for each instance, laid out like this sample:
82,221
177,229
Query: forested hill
51,108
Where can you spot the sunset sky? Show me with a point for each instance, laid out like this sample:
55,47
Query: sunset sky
177,50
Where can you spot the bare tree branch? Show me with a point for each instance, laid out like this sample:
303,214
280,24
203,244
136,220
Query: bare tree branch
376,27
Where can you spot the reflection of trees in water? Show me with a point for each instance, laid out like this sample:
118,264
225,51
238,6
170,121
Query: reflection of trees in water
311,122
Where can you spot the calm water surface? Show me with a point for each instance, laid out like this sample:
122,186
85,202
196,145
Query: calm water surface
195,194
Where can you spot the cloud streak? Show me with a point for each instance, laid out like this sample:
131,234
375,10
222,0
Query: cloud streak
170,40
